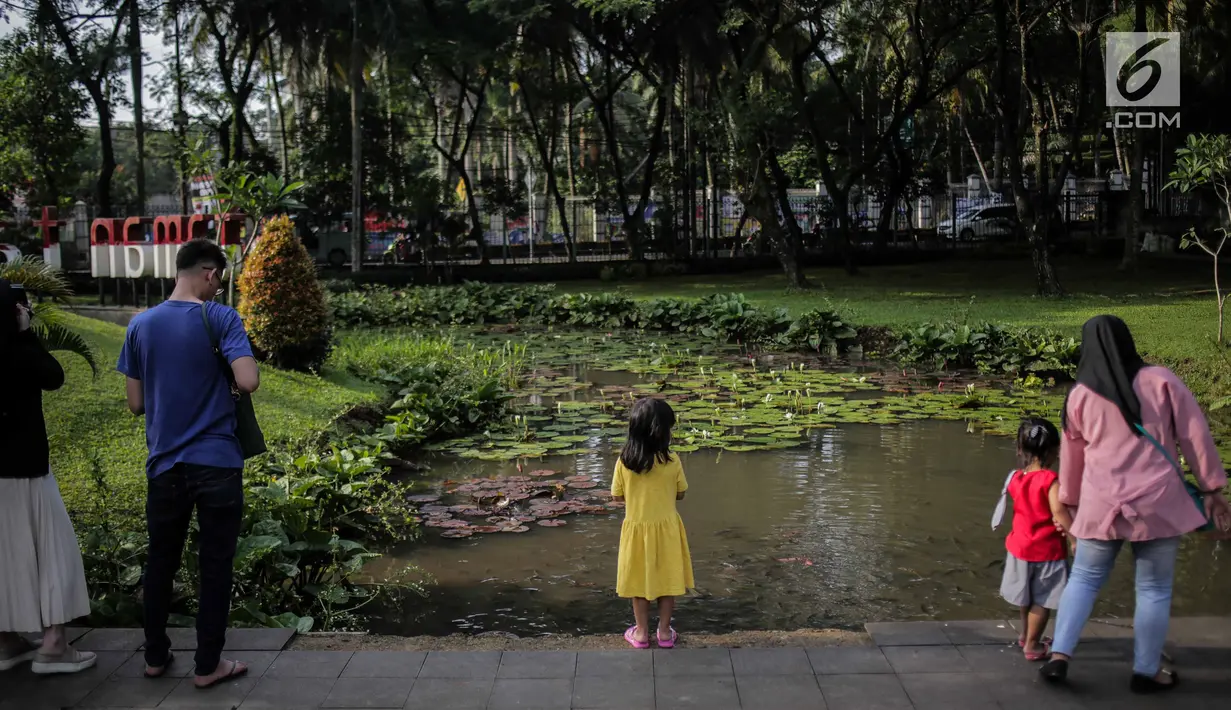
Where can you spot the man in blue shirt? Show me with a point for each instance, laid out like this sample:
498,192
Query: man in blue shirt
195,460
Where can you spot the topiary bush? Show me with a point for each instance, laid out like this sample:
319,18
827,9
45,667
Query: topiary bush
282,301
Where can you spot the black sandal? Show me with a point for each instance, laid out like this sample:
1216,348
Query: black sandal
1146,685
160,671
1055,670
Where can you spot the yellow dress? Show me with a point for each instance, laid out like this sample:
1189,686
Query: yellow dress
654,560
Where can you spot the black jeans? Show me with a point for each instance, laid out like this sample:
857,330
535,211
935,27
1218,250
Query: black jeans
218,496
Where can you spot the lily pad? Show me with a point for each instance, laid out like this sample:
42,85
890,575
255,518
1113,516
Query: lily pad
583,485
552,523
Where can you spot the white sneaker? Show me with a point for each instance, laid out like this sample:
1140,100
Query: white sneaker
19,656
71,661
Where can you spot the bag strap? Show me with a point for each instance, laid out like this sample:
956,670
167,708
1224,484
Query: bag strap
1170,456
227,373
998,514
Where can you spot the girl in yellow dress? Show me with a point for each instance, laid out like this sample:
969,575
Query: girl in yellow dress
654,561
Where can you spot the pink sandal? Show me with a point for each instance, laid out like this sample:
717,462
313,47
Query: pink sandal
1039,655
632,640
667,644
1046,641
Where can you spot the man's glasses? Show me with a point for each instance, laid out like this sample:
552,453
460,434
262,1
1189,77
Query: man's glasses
210,272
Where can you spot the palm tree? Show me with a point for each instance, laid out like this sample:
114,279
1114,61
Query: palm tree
49,323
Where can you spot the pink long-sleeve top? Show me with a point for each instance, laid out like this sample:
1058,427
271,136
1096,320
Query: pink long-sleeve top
1123,488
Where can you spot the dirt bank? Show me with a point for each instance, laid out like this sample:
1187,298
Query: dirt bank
497,641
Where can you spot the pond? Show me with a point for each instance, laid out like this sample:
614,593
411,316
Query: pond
837,524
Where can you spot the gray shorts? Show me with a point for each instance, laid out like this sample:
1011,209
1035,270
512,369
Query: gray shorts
1034,583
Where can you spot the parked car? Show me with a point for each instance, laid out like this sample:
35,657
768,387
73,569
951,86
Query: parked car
981,223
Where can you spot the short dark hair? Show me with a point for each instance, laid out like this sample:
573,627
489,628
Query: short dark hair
200,252
1037,439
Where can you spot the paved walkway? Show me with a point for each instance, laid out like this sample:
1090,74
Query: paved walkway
928,665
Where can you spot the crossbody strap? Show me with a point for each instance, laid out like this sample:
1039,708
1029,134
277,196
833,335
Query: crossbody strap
221,359
1162,449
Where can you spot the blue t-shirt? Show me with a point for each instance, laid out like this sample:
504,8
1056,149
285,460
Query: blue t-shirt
189,412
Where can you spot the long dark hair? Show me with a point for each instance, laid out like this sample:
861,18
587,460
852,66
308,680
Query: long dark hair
1037,439
649,435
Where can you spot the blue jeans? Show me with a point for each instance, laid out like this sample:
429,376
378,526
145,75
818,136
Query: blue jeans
1155,562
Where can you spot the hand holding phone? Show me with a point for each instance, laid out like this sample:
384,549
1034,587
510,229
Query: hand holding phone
23,318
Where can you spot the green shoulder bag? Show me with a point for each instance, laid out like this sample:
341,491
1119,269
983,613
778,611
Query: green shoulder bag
247,430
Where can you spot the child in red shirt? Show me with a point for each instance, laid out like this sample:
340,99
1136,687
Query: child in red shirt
1036,567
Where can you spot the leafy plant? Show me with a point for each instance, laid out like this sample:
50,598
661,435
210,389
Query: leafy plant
48,323
1205,162
603,310
820,331
282,302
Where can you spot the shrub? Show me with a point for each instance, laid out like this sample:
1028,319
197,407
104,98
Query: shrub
821,331
283,303
989,348
876,339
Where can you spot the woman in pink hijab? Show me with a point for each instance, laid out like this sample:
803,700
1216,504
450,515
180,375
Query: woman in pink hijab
1120,476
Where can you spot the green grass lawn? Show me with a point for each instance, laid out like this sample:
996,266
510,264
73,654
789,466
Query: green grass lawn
1169,303
88,417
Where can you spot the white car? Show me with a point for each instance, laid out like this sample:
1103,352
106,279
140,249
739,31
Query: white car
981,223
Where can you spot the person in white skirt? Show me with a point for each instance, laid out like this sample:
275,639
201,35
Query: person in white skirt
42,579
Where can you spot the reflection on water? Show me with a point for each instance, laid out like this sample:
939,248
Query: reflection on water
864,523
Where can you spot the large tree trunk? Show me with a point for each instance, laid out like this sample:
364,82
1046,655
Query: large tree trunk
1133,208
356,138
107,169
138,86
283,141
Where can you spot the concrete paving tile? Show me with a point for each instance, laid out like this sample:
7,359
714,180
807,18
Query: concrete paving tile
708,692
613,692
226,695
134,667
272,693
770,661
692,662
129,693
863,692
1017,690
971,633
843,660
19,688
908,633
996,659
369,693
624,664
531,694
73,633
450,694
258,639
947,691
1200,632
926,659
460,664
183,666
111,640
309,664
537,664
780,692
384,664
186,639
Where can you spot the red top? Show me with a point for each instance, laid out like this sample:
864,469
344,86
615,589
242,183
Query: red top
1034,537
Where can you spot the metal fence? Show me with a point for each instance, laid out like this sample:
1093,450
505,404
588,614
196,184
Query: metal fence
720,228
